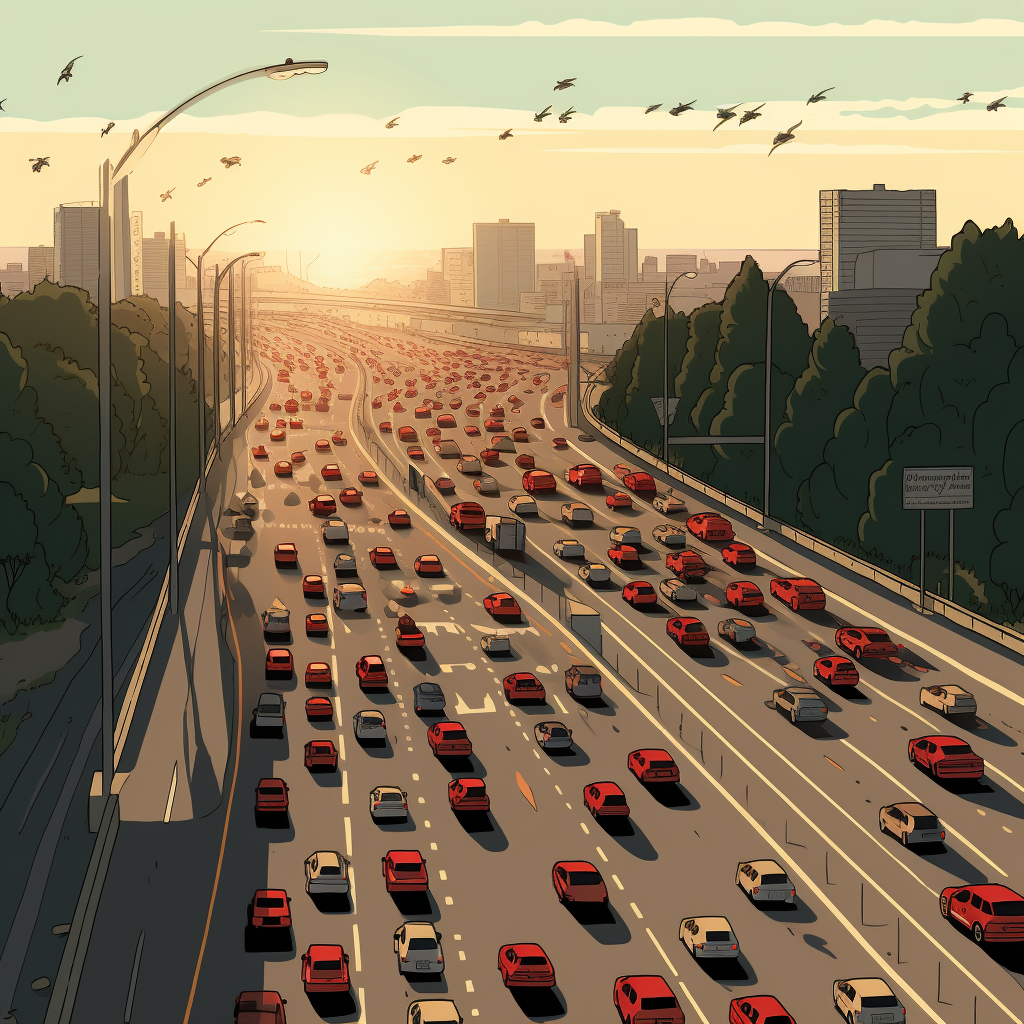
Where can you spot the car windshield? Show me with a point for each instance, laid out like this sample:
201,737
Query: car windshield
717,936
269,791
558,732
270,901
658,1003
584,878
662,764
269,709
391,796
405,866
777,1018
454,734
330,869
878,1001
956,748
614,799
694,627
422,944
775,879
1008,908
326,965
928,821
533,961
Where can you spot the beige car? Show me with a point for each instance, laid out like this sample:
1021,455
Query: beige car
433,1011
867,1001
950,700
326,873
911,823
577,512
801,703
418,947
765,881
709,938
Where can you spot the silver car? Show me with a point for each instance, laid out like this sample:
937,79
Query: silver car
709,938
418,947
269,712
428,697
677,591
522,505
950,700
737,631
334,531
619,535
327,873
370,727
469,464
911,823
594,572
801,703
486,485
583,681
576,512
566,547
350,597
276,618
670,535
389,802
668,504
552,735
764,881
496,643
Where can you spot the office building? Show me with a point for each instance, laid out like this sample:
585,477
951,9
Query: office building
590,257
615,249
154,264
534,303
457,268
649,270
504,264
680,263
13,279
555,280
136,282
40,264
437,288
76,251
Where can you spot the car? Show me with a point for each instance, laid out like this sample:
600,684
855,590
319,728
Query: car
317,624
522,505
269,712
667,503
349,597
383,557
350,497
326,873
332,471
583,474
646,999
767,1009
578,881
800,593
688,632
912,823
428,696
652,764
567,547
538,481
619,535
282,423
639,593
502,606
946,757
345,565
744,594
338,438
370,726
866,1000
472,430
519,434
408,634
866,642
334,531
525,965
320,754
278,434
594,572
625,557
446,421
319,708
467,515
492,423
291,405
495,643
415,452
525,461
323,445
318,673
282,469
520,686
737,631
573,512
433,1011
324,969
468,796
323,505
489,455
276,618
445,485
389,803
764,881
449,739
801,703
738,554
298,458
313,585
950,700
605,799
619,500
404,871
559,443
537,422
552,735
259,1008
279,663
428,565
468,464
262,423
710,526
992,913
418,947
369,477
472,410
677,591
708,938
433,431
272,796
455,403
836,671
687,564
486,484
371,672
384,426
407,433
294,423
260,452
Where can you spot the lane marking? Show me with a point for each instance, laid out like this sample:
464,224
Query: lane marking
686,992
170,793
635,909
355,947
559,703
664,955
348,837
341,739
615,879
344,787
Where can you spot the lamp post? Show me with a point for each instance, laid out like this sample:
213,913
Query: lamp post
664,408
768,438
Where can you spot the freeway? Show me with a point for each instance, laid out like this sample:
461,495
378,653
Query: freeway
752,786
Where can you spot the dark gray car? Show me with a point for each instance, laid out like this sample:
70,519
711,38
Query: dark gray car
428,697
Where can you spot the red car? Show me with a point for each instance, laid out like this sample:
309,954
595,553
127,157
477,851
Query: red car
744,594
368,476
408,634
523,686
338,438
371,672
350,497
445,485
652,764
490,455
294,423
278,433
259,1008
415,452
801,594
383,557
385,426
467,515
260,452
279,662
605,799
710,526
318,708
404,871
491,423
619,500
325,969
638,593
752,1009
525,461
313,586
291,405
640,483
578,881
647,999
323,445
446,420
272,796
318,673
559,442
992,913
407,434
836,671
323,505
472,431
433,431
428,565
449,739
866,642
282,469
262,423
525,965
332,471
502,606
269,908
687,632
946,757
686,564
739,554
320,754
298,457
468,795
399,518
538,481
584,474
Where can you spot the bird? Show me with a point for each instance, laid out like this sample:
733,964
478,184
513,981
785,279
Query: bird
819,96
414,158
164,196
565,115
784,137
65,75
231,161
682,108
369,167
449,160
965,98
506,134
652,108
2,102
749,115
995,104
724,114
564,83
392,123
546,112
103,131
39,162
200,184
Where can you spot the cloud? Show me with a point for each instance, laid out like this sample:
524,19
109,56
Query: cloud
690,27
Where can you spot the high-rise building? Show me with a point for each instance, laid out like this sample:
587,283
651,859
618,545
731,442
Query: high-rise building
615,249
649,270
76,251
40,264
136,281
680,263
555,280
504,266
457,267
437,288
154,264
590,257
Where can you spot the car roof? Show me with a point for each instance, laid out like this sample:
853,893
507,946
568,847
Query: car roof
328,857
323,949
576,865
370,713
405,856
651,751
420,928
707,923
271,698
992,891
912,807
647,984
387,789
448,726
767,865
271,892
611,785
870,986
525,949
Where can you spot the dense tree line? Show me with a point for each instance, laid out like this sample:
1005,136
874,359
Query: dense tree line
842,435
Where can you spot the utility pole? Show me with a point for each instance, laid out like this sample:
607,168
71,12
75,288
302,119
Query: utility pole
172,422
232,383
216,358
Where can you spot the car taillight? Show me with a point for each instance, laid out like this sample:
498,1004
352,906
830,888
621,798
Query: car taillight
376,804
405,804
440,958
942,834
735,946
756,889
698,945
903,1010
792,892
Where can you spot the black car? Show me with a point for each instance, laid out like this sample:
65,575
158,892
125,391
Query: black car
345,565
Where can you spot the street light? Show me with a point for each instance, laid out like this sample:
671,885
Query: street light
664,408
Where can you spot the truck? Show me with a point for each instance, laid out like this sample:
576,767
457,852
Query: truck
504,533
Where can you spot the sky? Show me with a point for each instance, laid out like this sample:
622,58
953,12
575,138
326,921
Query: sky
458,74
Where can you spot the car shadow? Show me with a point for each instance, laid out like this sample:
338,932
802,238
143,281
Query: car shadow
628,835
1009,956
269,940
671,794
602,921
378,749
708,654
335,1006
461,766
539,1003
277,820
379,696
332,902
796,912
735,971
972,723
388,825
278,639
420,905
326,776
426,984
322,724
264,733
483,827
570,757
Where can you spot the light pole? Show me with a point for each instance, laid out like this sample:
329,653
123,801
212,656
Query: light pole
244,345
172,422
664,408
768,438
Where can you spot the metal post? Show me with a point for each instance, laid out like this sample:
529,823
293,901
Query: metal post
951,564
245,344
232,382
216,358
201,369
664,391
106,559
922,562
172,423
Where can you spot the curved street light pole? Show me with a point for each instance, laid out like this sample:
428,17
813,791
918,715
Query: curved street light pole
664,407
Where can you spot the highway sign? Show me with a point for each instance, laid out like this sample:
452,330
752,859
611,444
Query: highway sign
942,487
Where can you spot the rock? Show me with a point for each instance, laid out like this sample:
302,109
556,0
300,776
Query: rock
61,929
40,983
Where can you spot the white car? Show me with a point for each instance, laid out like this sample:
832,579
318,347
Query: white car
801,703
469,464
583,681
709,938
370,726
496,643
486,485
577,512
276,618
350,597
950,700
765,881
594,572
552,735
433,1011
670,535
269,712
388,802
327,873
566,547
619,535
677,591
668,504
418,946
867,1001
522,505
334,531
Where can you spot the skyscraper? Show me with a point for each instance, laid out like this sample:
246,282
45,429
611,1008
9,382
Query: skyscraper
76,246
504,265
457,267
615,249
40,264
154,264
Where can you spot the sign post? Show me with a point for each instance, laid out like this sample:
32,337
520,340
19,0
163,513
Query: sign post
938,487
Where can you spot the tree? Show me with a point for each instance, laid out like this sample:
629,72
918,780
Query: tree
612,404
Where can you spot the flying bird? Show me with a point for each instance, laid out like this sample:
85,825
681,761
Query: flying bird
200,184
749,115
965,98
996,104
449,160
231,161
724,114
682,108
2,102
39,162
652,108
546,112
164,196
65,75
565,115
414,158
368,167
103,131
564,83
506,134
783,137
819,96
392,123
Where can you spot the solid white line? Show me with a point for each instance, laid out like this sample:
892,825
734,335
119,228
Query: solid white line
135,975
559,703
686,992
344,787
362,1007
664,955
170,793
355,947
348,837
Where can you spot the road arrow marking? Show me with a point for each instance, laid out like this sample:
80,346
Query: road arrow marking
462,708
